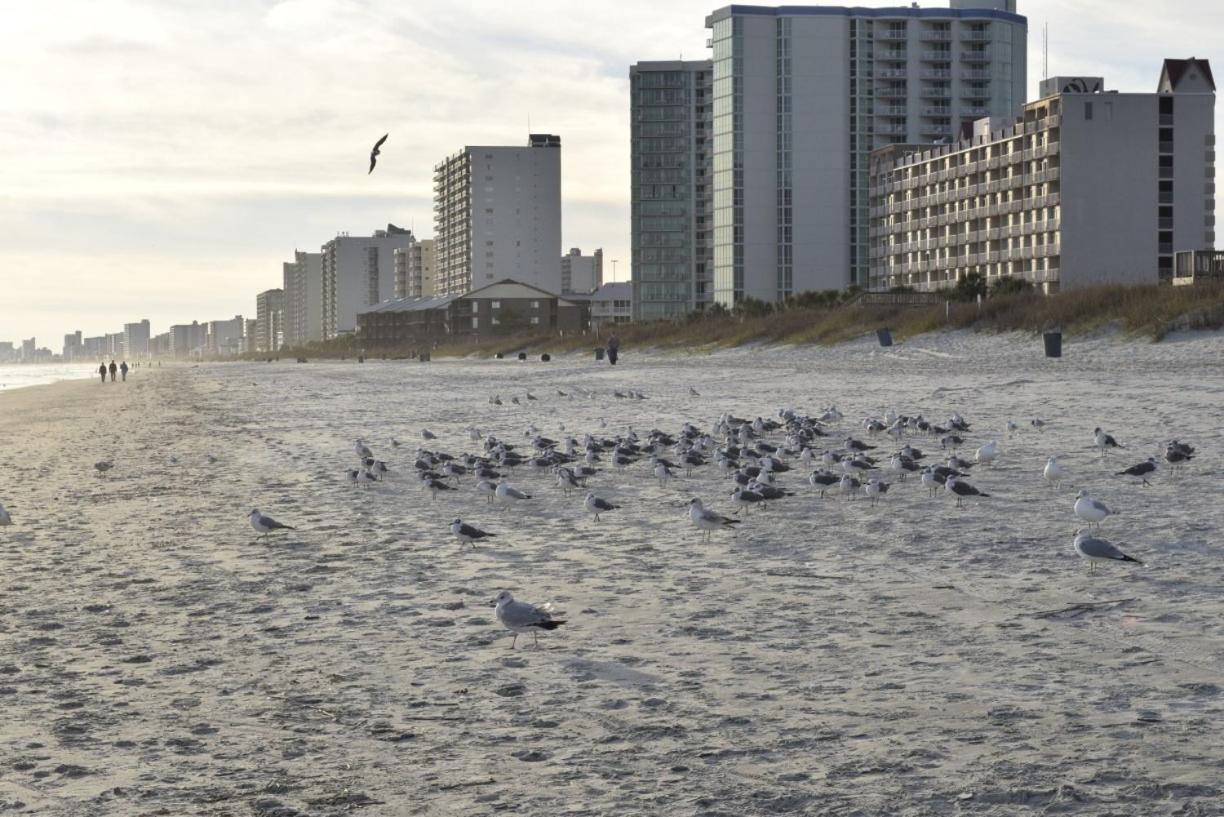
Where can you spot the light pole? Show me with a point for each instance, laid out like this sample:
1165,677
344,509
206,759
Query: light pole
614,262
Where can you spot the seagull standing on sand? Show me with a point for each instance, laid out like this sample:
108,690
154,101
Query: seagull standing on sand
265,524
1096,550
708,521
521,617
1090,510
988,453
507,495
961,489
1053,473
5,518
1103,440
103,467
466,534
596,505
374,153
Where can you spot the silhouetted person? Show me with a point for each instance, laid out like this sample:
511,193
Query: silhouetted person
613,348
102,371
123,367
113,369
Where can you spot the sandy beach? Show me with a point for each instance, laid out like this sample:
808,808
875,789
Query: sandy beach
831,659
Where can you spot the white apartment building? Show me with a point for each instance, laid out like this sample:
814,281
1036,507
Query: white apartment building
581,274
803,94
269,321
671,125
497,214
1085,187
358,272
303,287
136,338
415,276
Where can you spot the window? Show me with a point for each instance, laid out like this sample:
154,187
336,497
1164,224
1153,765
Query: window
1087,110
535,304
475,322
495,305
535,321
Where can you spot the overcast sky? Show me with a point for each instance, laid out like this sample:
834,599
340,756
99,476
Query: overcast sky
161,159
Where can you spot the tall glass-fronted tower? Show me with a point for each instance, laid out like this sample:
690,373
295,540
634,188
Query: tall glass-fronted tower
803,94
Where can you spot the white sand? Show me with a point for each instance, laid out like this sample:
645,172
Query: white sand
832,660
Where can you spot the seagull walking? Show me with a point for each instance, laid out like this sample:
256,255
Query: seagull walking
520,617
1140,470
596,505
265,524
466,534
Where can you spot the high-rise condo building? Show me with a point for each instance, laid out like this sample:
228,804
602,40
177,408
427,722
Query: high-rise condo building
358,271
671,149
269,320
581,274
136,338
1084,187
303,286
415,275
803,94
497,215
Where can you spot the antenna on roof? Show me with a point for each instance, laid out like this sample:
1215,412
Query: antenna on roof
1045,51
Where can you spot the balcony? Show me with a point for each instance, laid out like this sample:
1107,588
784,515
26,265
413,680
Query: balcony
893,130
937,56
891,92
937,73
974,74
890,110
941,35
891,34
936,93
975,56
891,73
896,54
975,110
937,110
975,36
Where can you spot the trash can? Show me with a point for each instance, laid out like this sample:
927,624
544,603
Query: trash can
544,358
522,355
499,356
885,336
361,358
424,357
1053,344
599,353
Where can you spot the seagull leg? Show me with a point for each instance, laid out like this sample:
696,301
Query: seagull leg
513,641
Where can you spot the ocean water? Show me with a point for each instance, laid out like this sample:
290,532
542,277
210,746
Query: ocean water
18,376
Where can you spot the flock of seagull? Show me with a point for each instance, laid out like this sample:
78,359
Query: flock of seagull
752,454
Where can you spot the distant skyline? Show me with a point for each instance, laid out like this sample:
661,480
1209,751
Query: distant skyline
162,159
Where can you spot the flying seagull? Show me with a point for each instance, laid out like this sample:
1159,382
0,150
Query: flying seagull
521,617
374,153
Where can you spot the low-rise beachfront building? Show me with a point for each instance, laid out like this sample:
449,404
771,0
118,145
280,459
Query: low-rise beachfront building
503,308
612,304
1085,187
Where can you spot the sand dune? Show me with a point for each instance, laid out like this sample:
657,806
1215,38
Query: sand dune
831,659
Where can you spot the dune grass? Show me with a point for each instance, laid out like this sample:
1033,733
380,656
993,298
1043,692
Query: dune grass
1141,312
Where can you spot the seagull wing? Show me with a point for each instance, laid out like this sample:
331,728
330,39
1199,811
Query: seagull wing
379,143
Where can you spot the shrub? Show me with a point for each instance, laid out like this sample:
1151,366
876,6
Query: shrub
1010,286
969,287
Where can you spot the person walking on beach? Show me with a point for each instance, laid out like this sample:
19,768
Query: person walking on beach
102,371
613,349
113,369
123,367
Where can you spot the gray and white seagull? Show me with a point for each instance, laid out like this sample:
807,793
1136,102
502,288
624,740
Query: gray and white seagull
521,617
1095,549
467,534
265,524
